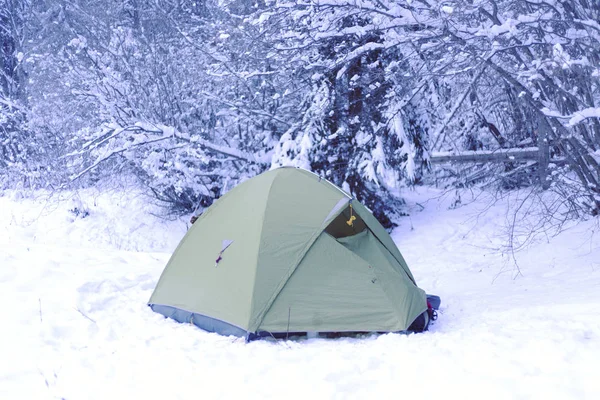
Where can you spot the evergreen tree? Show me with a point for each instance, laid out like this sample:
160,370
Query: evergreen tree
353,128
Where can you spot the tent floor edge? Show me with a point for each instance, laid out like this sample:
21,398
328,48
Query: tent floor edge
323,335
203,322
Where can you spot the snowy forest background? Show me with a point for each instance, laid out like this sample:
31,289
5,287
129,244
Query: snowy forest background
191,97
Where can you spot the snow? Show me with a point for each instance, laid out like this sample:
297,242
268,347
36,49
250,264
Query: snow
447,9
76,326
575,118
482,152
591,112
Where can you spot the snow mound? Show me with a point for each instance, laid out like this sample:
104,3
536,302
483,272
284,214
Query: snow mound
90,218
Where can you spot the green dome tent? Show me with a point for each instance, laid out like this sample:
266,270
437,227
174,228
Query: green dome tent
288,251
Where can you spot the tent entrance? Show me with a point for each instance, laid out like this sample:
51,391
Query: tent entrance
347,223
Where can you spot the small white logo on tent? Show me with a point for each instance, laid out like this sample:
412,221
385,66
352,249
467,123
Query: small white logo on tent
226,243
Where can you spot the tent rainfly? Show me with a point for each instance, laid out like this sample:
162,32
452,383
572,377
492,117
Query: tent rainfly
288,251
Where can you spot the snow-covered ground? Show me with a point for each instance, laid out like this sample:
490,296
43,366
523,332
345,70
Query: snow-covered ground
75,325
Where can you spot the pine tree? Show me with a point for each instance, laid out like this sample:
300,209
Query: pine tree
353,128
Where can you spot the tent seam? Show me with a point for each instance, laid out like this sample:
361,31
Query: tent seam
249,324
387,295
374,271
290,272
410,277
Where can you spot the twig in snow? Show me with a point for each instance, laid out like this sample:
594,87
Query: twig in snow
81,312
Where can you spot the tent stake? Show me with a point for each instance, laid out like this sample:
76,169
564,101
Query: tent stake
287,330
